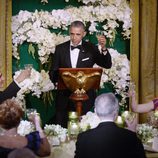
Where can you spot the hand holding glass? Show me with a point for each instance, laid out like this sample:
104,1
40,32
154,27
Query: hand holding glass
28,66
99,34
30,112
131,90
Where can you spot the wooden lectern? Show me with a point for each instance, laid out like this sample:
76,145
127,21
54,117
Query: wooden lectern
79,81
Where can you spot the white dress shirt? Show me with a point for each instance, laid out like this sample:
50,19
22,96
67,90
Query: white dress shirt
74,55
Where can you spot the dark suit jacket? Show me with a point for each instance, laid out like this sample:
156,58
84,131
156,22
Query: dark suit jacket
108,141
89,52
9,92
88,56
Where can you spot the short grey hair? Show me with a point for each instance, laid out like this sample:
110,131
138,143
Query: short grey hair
106,104
77,23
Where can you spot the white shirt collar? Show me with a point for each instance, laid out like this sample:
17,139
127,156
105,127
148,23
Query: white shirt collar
71,44
106,120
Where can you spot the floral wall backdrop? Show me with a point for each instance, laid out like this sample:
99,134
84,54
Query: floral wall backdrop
38,27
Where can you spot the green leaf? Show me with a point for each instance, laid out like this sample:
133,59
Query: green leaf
31,50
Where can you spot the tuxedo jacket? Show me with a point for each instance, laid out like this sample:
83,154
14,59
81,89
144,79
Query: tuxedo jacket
9,92
88,56
108,141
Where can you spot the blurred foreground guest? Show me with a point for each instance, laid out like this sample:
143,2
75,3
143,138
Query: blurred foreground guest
108,140
22,153
131,124
13,88
10,116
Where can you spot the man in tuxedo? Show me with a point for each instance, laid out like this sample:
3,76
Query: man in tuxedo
108,140
76,53
13,88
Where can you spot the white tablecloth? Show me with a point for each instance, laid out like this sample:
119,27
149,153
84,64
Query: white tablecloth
66,150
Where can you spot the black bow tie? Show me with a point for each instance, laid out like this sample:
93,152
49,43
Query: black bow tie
78,47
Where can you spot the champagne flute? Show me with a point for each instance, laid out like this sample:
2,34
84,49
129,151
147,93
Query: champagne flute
131,89
131,116
99,34
132,86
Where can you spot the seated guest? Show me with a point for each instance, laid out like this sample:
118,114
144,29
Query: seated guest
108,140
22,153
145,107
13,88
10,116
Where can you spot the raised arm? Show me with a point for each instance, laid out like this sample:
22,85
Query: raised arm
141,108
13,88
44,149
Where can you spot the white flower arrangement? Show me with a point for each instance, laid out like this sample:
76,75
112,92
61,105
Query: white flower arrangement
55,134
152,118
34,27
111,10
118,74
37,83
25,127
146,132
89,121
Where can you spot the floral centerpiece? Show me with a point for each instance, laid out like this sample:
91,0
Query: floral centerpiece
152,118
91,120
56,134
146,132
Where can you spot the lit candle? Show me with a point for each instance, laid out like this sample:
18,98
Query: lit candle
73,124
119,121
125,114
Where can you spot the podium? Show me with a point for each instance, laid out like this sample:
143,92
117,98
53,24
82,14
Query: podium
79,81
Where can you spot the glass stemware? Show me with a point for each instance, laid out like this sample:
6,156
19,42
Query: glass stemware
99,34
30,112
28,66
132,86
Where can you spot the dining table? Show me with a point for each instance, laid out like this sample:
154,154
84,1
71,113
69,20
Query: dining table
67,150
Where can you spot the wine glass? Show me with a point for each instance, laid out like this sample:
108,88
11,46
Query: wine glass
28,66
99,34
30,112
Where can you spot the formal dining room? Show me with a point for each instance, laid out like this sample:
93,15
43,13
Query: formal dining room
84,75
